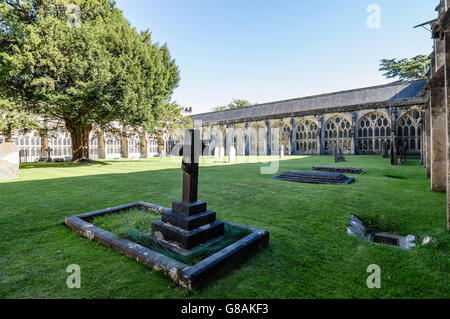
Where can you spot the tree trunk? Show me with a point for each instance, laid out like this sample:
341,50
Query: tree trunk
8,137
162,147
44,139
80,141
124,143
44,144
143,145
101,145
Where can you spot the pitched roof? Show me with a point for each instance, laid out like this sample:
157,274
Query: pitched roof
368,95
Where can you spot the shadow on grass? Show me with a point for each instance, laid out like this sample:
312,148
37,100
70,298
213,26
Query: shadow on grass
63,165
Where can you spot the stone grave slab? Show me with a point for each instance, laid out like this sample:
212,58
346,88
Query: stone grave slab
9,161
334,169
315,178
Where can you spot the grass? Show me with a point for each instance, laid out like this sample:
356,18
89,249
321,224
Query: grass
123,224
310,255
135,224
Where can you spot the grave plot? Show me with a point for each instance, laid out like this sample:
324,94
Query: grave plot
315,178
332,169
188,243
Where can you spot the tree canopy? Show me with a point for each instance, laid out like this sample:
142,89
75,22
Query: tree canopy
235,104
80,61
169,119
406,69
13,118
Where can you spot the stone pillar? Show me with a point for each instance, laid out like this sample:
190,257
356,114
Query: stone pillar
293,144
448,165
421,139
213,141
247,140
232,155
321,135
394,140
438,140
354,135
228,139
428,138
269,138
101,145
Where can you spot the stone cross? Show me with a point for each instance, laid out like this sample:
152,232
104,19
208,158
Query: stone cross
338,156
394,151
384,149
191,154
403,149
49,157
189,223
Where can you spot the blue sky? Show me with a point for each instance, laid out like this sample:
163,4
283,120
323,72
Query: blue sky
267,50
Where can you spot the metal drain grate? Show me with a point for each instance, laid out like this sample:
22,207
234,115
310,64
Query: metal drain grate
380,239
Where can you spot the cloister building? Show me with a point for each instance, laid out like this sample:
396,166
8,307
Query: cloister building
33,145
358,121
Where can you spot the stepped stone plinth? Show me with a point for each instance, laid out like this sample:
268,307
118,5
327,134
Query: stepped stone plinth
315,178
348,170
189,223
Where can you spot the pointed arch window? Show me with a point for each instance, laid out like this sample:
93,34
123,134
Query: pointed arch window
374,129
409,130
306,133
338,131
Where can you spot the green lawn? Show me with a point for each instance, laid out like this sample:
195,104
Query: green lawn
310,254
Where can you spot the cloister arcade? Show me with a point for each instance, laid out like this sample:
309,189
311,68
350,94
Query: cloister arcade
354,133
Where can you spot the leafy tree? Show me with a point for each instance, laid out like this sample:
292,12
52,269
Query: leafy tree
407,69
169,119
12,119
89,69
235,104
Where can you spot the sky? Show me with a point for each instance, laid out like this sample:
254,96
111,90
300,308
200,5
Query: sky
271,50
